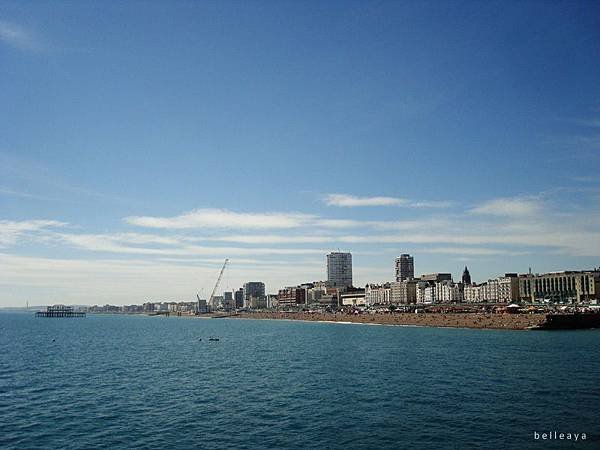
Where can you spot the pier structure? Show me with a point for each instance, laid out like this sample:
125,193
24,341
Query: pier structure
60,311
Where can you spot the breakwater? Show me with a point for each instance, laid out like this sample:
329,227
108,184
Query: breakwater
571,321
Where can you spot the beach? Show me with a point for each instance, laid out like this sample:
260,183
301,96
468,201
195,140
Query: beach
452,320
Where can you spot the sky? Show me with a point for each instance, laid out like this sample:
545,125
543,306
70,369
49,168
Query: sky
142,143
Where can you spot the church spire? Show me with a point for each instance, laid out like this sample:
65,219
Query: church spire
466,276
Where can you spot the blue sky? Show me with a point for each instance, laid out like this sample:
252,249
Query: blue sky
142,143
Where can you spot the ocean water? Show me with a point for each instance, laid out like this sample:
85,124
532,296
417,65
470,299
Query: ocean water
149,382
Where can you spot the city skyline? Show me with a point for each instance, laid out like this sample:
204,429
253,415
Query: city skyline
139,149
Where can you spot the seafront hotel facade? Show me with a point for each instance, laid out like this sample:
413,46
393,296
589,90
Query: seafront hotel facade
570,287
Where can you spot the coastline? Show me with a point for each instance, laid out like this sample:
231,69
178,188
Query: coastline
473,320
436,320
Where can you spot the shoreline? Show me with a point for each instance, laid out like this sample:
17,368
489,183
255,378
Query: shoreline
431,320
465,320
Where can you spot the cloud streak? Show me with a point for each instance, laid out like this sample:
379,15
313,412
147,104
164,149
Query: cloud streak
351,201
19,37
222,218
510,207
12,231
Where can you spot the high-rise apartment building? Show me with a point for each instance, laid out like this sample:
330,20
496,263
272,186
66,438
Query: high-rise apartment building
339,269
253,290
405,267
238,296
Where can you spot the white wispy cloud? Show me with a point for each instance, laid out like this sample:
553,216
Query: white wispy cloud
473,251
19,37
127,244
345,200
222,218
12,231
349,201
275,239
511,207
526,221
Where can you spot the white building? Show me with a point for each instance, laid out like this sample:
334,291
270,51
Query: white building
448,292
426,293
376,294
499,290
471,293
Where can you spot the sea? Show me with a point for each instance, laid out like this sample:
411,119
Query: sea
117,381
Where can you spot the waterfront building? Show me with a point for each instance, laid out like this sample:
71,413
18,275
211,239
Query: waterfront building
339,270
508,288
435,277
353,297
258,302
202,306
405,267
291,297
448,292
488,291
238,297
426,292
466,276
329,300
272,301
376,294
498,290
228,302
403,292
471,293
560,287
253,289
314,292
428,284
430,294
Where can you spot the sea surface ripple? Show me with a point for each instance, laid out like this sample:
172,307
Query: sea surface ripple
150,382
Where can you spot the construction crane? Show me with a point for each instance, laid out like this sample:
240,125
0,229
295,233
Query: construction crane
212,295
